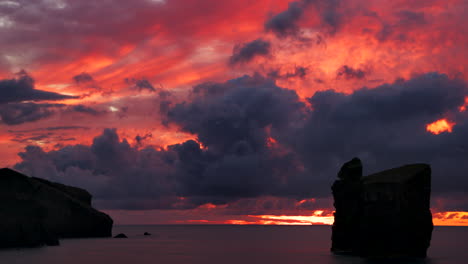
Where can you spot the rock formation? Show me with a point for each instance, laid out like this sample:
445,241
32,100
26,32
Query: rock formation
121,235
35,212
386,214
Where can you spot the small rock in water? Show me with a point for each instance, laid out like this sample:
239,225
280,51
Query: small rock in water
121,235
147,234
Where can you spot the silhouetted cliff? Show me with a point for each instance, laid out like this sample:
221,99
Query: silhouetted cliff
35,212
386,214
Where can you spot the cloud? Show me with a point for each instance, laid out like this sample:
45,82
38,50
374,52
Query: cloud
349,73
85,110
386,127
256,139
22,88
140,84
238,111
285,23
248,51
236,163
406,21
140,139
19,113
83,78
299,72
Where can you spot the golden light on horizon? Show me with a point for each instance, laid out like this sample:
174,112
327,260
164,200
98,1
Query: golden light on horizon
317,217
320,217
456,218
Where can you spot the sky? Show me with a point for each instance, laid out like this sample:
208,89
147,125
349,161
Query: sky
239,112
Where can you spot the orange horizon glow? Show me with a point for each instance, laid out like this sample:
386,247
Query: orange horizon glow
440,126
456,218
318,217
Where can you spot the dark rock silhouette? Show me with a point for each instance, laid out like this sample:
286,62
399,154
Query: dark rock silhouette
386,214
147,234
35,212
121,235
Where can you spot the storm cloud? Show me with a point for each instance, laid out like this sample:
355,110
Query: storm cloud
248,51
83,77
22,88
233,121
386,127
140,84
256,139
286,23
19,113
349,73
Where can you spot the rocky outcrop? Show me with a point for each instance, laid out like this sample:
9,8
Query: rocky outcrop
386,214
347,192
121,235
36,212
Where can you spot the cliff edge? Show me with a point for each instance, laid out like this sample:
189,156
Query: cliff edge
35,212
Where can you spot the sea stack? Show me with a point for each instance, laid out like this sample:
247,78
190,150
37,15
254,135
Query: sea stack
386,214
35,212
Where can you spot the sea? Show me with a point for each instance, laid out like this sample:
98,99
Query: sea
224,244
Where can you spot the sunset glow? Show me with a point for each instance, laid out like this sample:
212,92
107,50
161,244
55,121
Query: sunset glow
318,217
315,218
233,112
464,106
450,219
440,126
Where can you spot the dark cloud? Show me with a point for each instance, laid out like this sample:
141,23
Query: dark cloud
236,163
400,29
234,121
386,127
237,112
110,168
22,88
299,72
140,84
248,51
83,78
286,23
19,113
408,17
235,157
332,18
85,110
140,139
349,73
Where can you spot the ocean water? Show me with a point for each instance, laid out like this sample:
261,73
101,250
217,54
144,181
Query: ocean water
185,244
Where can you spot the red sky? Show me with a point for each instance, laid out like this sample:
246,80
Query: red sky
123,61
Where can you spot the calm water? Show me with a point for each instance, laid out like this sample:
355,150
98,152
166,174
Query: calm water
223,244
